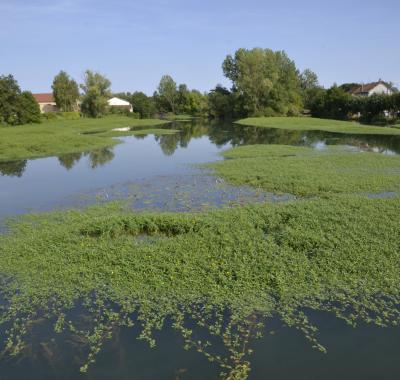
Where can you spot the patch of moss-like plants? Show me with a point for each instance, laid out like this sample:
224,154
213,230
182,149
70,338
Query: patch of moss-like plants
316,124
304,171
227,270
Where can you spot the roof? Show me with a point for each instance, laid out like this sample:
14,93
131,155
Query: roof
118,102
365,88
44,98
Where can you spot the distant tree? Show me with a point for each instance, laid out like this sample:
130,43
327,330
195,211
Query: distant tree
168,93
66,92
310,88
333,103
9,100
347,87
28,109
96,88
267,81
220,103
16,107
142,104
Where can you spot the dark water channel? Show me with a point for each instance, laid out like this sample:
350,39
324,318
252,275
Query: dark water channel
160,172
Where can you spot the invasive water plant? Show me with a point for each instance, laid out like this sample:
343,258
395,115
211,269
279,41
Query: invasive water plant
305,171
338,255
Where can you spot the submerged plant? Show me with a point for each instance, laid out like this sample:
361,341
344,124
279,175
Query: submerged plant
227,270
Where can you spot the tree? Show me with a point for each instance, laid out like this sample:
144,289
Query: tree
9,98
66,92
168,93
310,88
347,87
334,103
96,88
16,107
267,81
28,110
142,104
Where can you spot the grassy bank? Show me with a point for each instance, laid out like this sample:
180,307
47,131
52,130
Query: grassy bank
315,124
66,136
306,171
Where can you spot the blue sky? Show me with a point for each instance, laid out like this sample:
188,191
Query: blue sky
135,42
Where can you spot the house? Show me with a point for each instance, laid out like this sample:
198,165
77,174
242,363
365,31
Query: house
369,89
46,102
120,103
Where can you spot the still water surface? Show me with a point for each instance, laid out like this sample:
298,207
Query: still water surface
160,172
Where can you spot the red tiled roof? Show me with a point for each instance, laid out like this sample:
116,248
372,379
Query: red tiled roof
367,87
44,98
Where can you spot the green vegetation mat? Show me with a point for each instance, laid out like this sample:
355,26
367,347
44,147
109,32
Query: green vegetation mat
66,136
338,255
304,171
315,124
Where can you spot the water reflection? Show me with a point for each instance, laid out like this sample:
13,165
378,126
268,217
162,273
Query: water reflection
13,168
196,341
221,135
69,160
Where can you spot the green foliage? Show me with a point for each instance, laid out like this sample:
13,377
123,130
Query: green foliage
254,262
66,92
167,94
73,115
225,104
142,104
334,103
61,136
266,80
96,88
316,124
16,107
28,109
308,172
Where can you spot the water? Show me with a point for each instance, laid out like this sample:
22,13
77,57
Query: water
160,172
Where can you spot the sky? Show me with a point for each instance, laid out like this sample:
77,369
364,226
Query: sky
134,42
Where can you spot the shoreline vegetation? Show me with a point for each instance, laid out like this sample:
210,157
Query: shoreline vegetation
58,137
227,270
309,172
316,124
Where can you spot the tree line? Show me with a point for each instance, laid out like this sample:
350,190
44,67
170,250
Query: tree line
263,83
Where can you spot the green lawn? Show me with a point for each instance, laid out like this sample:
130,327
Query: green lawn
315,124
67,136
304,171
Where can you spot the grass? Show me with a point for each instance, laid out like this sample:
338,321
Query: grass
338,255
304,171
315,124
66,136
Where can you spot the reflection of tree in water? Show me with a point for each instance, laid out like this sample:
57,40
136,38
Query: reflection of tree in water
168,143
13,168
100,157
69,160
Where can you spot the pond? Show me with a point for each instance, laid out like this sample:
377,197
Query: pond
161,172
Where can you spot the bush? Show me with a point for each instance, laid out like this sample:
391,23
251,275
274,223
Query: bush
50,116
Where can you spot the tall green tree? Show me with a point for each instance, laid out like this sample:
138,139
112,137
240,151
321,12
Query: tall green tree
9,100
142,104
16,107
310,88
66,92
267,81
28,109
168,92
96,89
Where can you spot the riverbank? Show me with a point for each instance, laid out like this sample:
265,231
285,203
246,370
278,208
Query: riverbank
305,171
68,136
315,124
